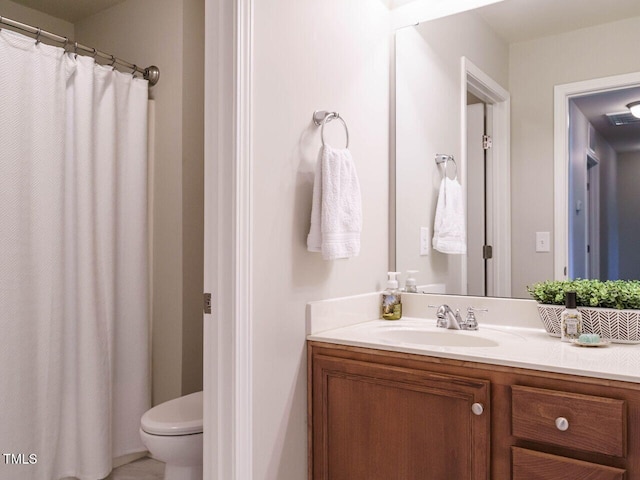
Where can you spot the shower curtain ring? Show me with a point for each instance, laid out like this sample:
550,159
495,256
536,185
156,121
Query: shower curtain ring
75,49
95,52
38,35
113,62
66,42
135,69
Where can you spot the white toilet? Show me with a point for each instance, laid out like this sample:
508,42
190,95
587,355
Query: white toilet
172,432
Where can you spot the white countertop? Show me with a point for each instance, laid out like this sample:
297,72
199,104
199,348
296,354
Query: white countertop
521,347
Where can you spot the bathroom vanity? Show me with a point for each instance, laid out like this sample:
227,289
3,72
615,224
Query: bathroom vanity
449,405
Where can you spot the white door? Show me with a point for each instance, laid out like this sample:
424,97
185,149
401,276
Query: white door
476,207
480,201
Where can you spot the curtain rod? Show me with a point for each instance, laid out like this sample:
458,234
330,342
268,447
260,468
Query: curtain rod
152,73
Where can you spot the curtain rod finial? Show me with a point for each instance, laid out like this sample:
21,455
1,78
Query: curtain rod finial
152,74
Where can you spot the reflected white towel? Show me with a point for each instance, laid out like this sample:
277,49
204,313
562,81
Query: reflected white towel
449,231
336,211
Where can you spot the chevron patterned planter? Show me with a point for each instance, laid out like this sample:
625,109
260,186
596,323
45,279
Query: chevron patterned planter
619,326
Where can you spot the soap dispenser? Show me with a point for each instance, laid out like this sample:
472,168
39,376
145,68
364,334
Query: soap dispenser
391,304
410,284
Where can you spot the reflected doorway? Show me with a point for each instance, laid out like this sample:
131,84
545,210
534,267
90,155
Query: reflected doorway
604,160
486,182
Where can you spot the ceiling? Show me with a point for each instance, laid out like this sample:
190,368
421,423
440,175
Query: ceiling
623,138
520,20
69,10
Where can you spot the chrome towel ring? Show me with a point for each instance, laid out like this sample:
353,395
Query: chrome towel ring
444,158
321,117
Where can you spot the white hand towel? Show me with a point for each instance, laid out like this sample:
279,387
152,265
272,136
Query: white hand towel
449,230
336,211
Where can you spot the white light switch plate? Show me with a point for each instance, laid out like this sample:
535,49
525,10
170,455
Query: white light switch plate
543,242
424,240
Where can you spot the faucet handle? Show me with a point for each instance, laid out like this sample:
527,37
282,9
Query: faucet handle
476,309
471,322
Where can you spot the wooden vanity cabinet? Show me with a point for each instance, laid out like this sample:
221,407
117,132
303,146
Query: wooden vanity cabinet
375,414
375,421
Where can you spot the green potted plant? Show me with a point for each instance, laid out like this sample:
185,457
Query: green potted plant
610,308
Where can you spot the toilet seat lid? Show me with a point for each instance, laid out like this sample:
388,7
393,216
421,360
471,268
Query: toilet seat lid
180,416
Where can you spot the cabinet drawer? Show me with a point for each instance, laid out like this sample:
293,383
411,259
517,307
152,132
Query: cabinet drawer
530,465
593,424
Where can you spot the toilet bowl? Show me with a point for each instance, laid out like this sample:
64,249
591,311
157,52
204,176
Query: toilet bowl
172,432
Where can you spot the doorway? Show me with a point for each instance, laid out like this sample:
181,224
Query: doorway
486,180
595,134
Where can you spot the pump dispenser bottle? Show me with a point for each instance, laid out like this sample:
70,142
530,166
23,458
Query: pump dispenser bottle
570,319
391,304
410,283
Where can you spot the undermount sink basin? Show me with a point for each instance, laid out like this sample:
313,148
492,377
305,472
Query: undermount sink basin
417,333
440,339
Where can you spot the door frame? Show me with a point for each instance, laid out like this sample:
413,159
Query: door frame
484,87
561,96
228,157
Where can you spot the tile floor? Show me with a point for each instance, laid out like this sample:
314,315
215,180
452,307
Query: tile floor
143,469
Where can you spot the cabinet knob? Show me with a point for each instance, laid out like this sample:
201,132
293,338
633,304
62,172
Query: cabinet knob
477,408
562,424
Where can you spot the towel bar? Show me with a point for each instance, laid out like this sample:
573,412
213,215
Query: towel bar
322,117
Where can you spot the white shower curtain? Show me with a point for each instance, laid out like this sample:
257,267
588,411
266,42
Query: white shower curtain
74,368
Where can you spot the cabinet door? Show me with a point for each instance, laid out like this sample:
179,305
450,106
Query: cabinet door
377,422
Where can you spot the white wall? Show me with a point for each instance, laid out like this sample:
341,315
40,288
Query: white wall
428,89
308,55
610,233
535,67
629,214
192,193
168,33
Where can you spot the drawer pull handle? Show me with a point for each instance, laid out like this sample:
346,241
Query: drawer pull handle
477,408
562,424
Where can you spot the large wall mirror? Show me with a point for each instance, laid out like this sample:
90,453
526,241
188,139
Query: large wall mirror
551,201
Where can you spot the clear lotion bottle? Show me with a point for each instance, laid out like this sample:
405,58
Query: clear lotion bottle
391,308
570,319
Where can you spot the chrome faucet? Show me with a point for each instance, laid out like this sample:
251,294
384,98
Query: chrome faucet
447,318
